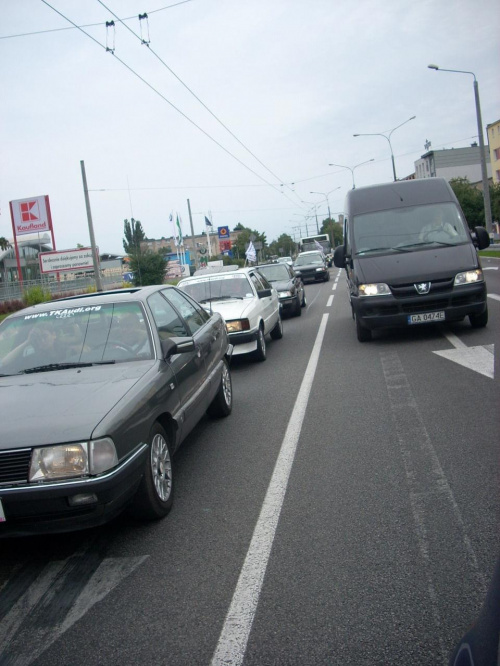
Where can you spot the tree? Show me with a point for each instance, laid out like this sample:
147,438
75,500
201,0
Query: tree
134,235
283,246
334,231
148,268
470,200
495,201
4,243
244,239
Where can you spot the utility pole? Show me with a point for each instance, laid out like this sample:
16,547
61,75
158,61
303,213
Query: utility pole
95,258
196,262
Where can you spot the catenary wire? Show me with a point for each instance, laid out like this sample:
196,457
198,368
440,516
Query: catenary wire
280,180
169,102
89,25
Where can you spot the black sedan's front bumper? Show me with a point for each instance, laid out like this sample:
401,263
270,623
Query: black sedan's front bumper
52,507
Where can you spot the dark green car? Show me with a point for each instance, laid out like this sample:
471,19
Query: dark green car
98,392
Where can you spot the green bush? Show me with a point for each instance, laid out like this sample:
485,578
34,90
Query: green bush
35,295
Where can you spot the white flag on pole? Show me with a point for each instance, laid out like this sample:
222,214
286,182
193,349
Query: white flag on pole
250,253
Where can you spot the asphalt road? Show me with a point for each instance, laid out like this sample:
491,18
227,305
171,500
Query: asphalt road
345,513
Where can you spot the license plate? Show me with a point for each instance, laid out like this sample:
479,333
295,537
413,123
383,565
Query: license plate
426,317
2,513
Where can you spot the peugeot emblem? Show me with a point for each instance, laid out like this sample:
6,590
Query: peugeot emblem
423,287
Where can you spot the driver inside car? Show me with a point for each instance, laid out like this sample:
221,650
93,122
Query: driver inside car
132,333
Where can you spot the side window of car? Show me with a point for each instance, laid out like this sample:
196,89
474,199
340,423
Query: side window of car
194,315
257,282
167,320
265,283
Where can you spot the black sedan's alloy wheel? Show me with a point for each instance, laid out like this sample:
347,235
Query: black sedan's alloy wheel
154,498
222,404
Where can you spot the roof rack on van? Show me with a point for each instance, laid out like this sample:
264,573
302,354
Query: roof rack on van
210,270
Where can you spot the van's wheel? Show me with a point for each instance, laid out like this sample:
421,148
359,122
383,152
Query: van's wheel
222,404
277,332
304,302
155,495
479,321
260,353
364,334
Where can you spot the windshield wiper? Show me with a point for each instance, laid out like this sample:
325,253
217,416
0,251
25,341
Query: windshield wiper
429,242
380,249
63,366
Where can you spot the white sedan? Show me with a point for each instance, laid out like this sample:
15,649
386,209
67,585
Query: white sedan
248,303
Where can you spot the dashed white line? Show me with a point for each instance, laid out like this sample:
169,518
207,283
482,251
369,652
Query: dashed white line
238,623
495,297
329,301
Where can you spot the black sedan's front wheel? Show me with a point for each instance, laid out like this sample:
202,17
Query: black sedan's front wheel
222,404
155,495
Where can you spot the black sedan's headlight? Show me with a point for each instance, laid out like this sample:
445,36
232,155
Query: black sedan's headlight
65,461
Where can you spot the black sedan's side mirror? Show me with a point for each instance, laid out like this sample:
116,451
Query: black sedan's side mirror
171,346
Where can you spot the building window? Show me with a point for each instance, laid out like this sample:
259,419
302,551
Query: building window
498,175
496,152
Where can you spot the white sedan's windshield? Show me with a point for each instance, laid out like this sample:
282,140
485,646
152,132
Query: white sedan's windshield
217,288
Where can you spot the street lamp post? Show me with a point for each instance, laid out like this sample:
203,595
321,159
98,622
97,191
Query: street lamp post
484,173
351,169
325,194
384,134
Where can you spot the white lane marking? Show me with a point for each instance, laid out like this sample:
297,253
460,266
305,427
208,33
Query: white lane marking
24,635
238,623
425,477
334,285
329,301
490,268
480,358
496,297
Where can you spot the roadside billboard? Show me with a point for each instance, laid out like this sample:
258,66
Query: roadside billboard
31,216
67,260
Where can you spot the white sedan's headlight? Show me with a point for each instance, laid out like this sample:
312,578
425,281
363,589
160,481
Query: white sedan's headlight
469,277
66,461
285,294
377,289
237,325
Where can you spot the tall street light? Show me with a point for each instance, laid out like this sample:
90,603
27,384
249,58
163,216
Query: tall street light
325,194
351,169
389,140
484,173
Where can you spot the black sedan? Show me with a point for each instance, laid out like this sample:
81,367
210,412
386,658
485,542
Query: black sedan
288,284
97,393
312,266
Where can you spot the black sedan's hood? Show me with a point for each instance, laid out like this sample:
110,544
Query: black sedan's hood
63,405
422,265
282,285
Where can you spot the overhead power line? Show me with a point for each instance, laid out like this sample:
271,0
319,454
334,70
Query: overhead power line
166,100
89,25
147,43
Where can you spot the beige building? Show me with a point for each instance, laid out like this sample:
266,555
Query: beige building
493,131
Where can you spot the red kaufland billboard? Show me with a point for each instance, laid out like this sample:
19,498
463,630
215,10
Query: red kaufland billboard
31,216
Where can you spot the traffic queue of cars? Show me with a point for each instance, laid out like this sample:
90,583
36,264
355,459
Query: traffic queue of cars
101,389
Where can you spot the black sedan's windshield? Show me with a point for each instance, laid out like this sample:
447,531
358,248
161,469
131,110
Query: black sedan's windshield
67,337
275,273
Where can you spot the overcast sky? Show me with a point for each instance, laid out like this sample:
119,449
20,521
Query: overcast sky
292,80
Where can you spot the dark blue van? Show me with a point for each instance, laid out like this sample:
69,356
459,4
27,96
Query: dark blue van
410,257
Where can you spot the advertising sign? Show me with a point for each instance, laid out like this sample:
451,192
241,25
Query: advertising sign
67,260
223,232
225,245
31,216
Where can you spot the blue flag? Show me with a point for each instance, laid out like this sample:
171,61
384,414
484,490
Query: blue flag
207,222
